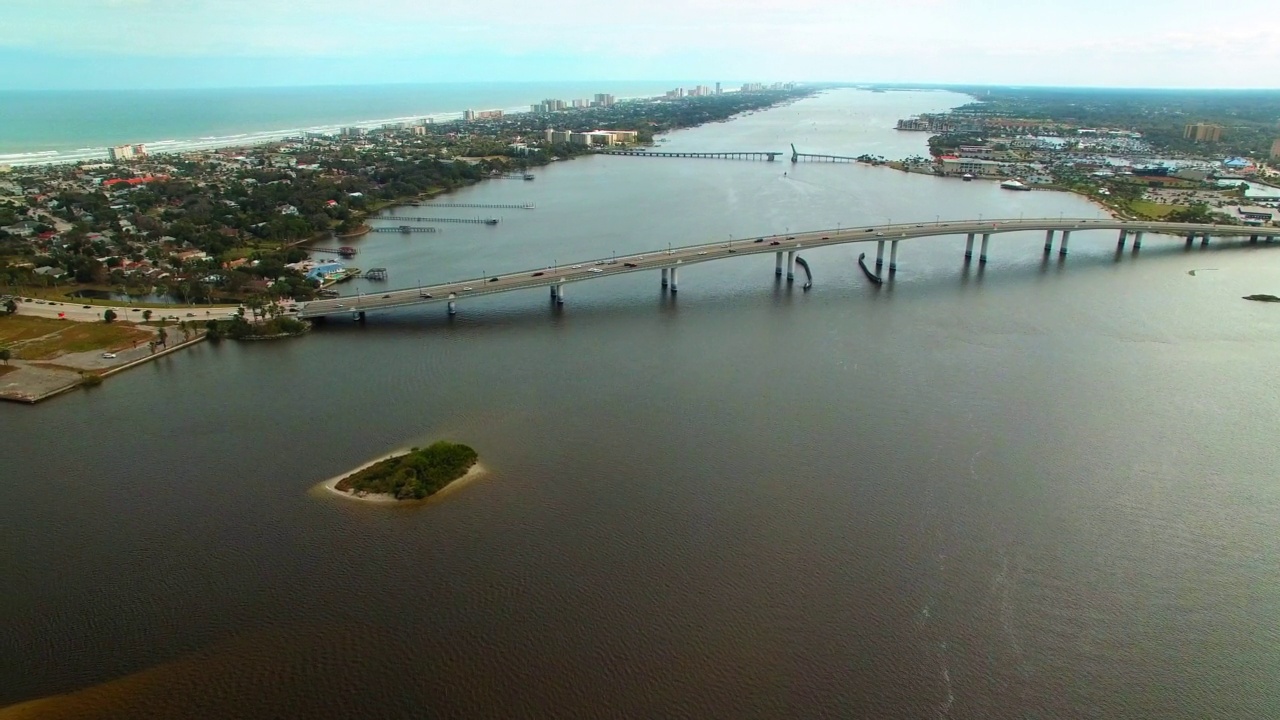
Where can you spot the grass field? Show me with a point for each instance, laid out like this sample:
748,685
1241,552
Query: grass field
1155,211
33,338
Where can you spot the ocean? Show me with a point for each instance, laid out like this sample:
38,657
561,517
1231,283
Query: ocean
67,126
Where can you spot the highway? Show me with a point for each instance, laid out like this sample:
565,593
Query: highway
596,268
93,313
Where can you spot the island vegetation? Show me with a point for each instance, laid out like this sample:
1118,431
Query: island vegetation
414,475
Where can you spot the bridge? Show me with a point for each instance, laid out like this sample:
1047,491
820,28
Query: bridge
669,261
345,251
812,157
746,155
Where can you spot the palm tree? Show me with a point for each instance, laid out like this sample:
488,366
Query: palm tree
146,316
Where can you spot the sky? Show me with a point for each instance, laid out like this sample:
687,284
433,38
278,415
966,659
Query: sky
109,44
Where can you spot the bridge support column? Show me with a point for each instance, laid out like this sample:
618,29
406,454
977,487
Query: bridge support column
1062,247
982,254
1124,235
1137,240
777,263
968,247
893,256
664,277
879,254
1191,238
453,307
1204,240
560,294
553,293
1271,238
1048,240
1253,239
791,265
358,316
673,279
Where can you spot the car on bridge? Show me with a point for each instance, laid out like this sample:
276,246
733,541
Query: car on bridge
759,240
493,279
537,274
629,265
775,242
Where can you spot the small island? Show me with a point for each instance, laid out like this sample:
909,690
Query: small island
414,475
1262,298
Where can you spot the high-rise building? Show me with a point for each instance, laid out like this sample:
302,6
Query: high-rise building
604,100
717,88
578,104
1202,132
120,153
1275,149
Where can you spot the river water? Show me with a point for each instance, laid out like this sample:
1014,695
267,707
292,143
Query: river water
1040,489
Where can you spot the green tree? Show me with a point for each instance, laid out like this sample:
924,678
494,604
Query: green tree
5,355
146,316
11,306
162,337
108,315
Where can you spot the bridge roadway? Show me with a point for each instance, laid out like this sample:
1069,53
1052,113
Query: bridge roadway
671,260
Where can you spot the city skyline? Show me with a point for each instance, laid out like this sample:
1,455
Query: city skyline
73,44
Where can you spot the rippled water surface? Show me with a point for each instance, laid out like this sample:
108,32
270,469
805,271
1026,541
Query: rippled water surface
1045,488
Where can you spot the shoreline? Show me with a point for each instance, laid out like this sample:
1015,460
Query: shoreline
329,487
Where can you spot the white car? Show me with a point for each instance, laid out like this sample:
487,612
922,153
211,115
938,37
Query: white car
575,267
704,252
109,355
596,270
466,288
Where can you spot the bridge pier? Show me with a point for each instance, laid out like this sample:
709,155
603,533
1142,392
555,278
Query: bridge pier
982,254
1124,235
1271,238
1048,240
893,256
968,247
777,264
664,277
879,254
453,307
1204,240
791,265
1137,240
553,292
1191,238
560,294
1062,247
1253,239
358,316
673,279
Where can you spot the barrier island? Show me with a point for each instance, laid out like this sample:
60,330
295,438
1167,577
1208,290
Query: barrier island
414,475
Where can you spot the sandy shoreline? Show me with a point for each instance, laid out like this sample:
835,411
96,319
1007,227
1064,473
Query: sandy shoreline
330,485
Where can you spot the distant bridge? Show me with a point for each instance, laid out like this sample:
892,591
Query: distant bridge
746,155
407,229
812,157
670,261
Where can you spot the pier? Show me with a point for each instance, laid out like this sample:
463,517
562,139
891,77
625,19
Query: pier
494,206
375,274
473,221
344,251
406,229
745,155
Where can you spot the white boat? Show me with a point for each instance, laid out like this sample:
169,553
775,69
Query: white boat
1013,185
966,177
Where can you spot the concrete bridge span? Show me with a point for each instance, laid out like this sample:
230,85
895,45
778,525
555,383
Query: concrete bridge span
670,261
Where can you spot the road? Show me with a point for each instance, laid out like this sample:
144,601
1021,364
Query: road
78,313
678,257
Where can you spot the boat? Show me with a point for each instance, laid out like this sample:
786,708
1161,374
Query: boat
528,176
491,221
1013,185
966,177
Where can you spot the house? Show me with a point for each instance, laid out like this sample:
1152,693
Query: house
188,255
21,229
52,272
288,210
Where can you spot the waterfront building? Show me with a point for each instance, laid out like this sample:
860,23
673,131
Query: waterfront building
120,153
558,136
1275,149
1202,132
953,165
604,100
984,152
468,115
579,104
717,88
